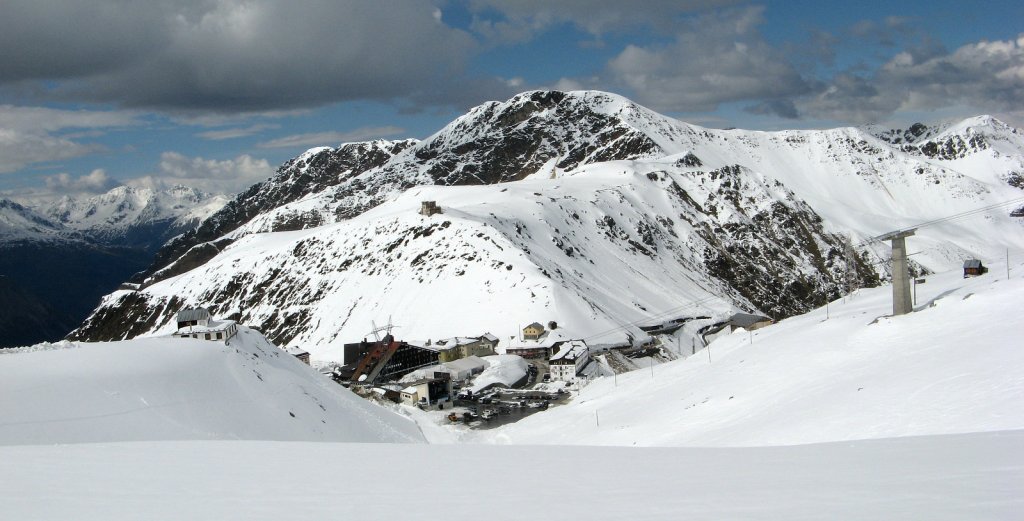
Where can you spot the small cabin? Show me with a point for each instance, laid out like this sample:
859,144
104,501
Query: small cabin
973,268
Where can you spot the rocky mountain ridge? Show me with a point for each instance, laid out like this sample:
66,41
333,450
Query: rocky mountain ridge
582,207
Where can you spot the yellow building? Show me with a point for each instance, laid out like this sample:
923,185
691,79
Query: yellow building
533,331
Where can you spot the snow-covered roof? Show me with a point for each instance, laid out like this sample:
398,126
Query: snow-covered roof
449,343
535,325
490,338
546,340
213,326
410,390
746,319
296,351
423,372
435,348
571,350
503,369
189,314
972,263
467,364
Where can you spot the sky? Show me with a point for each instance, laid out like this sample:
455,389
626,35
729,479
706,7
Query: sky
215,94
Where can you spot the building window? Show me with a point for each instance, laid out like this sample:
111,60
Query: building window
220,335
207,336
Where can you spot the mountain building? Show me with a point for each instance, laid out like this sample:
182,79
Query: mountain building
973,268
451,349
197,323
533,331
568,359
429,392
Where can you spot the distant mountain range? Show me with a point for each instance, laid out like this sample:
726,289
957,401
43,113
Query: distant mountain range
58,259
579,207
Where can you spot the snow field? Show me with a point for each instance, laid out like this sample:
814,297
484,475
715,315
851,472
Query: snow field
954,477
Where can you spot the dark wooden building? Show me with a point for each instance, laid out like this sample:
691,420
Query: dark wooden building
973,268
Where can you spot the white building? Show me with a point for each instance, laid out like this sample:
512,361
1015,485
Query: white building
428,392
196,323
568,359
464,368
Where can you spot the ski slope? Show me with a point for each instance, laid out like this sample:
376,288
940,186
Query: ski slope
955,365
180,389
956,477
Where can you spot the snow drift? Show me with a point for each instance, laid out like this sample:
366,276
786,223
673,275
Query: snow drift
180,389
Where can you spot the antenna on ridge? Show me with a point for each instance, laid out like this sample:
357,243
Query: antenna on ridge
386,329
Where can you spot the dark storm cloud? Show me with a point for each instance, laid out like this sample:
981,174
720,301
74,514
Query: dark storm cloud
230,55
57,40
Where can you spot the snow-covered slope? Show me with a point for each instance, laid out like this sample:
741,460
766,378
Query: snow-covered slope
591,251
180,389
955,365
19,223
588,210
935,478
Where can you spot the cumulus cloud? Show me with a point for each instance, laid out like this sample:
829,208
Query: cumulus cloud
986,76
217,176
230,55
714,59
18,149
31,135
94,182
332,138
61,185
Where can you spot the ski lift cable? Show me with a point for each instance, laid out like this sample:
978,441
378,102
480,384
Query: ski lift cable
948,218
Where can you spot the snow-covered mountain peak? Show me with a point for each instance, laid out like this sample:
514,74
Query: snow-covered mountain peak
126,215
954,139
18,223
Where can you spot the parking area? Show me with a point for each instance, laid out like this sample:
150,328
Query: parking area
501,406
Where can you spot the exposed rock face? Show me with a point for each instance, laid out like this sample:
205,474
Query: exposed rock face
310,173
493,143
